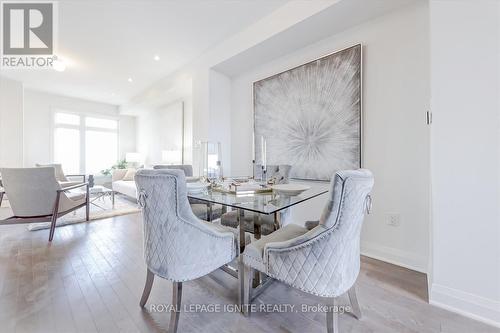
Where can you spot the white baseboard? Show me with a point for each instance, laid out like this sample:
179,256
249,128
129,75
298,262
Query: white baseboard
466,304
463,303
394,256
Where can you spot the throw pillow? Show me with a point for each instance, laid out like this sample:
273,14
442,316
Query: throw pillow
130,174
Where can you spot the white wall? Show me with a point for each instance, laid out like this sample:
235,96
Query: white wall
160,129
197,114
127,135
11,123
220,117
188,130
38,109
201,114
465,143
396,138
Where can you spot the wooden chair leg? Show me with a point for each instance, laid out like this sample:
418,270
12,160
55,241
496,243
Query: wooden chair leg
353,298
147,288
176,302
52,227
247,293
55,214
332,317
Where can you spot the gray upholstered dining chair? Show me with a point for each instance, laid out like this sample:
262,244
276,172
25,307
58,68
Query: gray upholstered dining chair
36,196
177,245
324,261
62,178
263,224
200,208
187,168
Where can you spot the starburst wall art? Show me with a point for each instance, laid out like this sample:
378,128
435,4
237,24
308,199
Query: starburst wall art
310,116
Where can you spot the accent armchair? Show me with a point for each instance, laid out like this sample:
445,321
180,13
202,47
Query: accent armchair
36,196
177,245
62,178
200,208
324,261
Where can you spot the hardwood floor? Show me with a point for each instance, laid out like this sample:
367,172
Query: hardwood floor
90,279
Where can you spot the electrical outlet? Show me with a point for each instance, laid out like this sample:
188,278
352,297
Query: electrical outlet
394,219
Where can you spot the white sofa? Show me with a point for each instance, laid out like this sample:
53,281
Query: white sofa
128,188
119,185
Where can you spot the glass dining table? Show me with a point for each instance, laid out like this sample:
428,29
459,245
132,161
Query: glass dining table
264,203
267,203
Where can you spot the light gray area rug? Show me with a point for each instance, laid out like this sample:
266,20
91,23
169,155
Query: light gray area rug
101,210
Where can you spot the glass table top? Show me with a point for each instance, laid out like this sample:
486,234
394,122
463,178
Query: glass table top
263,203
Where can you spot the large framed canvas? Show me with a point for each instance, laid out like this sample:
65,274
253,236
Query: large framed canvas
310,116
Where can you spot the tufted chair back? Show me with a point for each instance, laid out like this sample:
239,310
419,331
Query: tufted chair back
349,199
187,168
326,260
177,245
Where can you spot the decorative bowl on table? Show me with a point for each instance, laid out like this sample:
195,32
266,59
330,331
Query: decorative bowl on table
246,187
290,189
197,187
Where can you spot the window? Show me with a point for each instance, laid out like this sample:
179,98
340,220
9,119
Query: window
85,144
67,149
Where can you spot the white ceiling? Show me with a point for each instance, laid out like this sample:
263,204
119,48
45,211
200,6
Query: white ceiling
104,42
333,20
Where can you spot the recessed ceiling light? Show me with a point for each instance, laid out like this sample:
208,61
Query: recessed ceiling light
59,65
156,57
130,79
